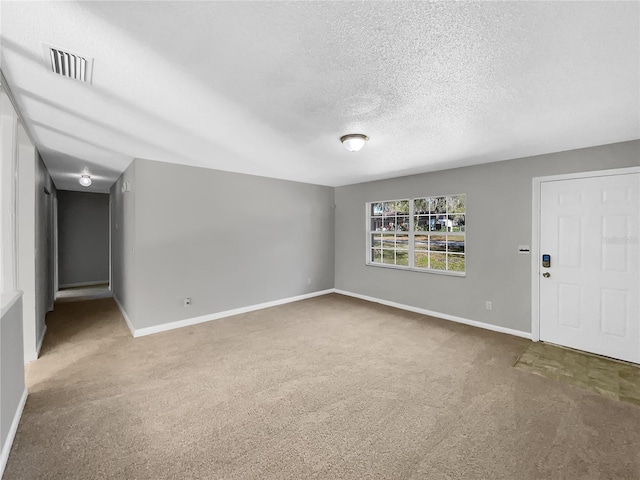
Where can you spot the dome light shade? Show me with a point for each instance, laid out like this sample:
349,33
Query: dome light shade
85,180
354,141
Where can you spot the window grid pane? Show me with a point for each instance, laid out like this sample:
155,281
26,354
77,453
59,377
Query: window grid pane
435,238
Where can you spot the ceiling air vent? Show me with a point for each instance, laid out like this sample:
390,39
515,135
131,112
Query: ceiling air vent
70,65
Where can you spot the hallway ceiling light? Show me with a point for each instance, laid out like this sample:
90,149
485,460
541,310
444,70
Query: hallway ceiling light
85,180
354,141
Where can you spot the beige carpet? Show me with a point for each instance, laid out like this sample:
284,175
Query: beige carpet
327,388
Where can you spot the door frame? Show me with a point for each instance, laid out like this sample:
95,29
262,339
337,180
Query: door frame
535,234
54,253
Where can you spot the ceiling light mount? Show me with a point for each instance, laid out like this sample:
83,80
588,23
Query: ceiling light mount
354,141
85,180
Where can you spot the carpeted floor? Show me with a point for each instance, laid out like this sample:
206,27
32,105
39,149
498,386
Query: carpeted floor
326,388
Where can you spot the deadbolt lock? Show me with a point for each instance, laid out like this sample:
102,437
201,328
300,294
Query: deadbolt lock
546,274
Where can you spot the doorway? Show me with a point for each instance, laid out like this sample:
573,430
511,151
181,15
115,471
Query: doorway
586,262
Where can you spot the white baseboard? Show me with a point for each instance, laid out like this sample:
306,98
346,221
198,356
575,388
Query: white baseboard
445,316
82,284
141,332
125,316
6,448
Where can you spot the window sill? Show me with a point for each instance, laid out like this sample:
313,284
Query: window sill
449,273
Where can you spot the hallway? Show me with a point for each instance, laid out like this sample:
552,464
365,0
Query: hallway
76,294
80,334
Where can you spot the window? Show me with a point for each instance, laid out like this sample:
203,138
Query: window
424,234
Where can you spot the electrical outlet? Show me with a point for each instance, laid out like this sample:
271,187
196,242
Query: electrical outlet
489,305
309,281
187,301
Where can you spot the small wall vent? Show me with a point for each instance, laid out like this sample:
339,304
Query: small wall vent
70,65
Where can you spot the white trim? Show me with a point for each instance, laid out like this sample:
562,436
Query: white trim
110,246
36,354
593,173
141,332
450,273
32,356
535,233
83,284
56,286
535,263
8,299
6,448
445,316
125,316
40,341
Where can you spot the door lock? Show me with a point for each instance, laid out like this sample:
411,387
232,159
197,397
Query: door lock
546,274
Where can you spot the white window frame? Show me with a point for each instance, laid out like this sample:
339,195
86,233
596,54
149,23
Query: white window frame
411,236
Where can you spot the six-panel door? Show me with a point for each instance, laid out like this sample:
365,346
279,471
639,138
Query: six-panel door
589,294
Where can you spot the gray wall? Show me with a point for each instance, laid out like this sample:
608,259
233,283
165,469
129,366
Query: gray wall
44,246
226,240
123,273
11,362
495,270
83,238
35,245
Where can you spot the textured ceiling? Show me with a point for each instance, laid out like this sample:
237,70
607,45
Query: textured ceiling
268,88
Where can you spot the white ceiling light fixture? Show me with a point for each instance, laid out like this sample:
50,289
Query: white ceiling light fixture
354,141
85,180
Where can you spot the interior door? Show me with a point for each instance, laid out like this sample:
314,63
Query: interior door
589,291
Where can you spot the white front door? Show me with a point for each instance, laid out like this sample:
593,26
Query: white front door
589,293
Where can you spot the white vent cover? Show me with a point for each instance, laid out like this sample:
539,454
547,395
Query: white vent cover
70,65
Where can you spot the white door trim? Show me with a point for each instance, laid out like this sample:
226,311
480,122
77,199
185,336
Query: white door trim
535,234
55,247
